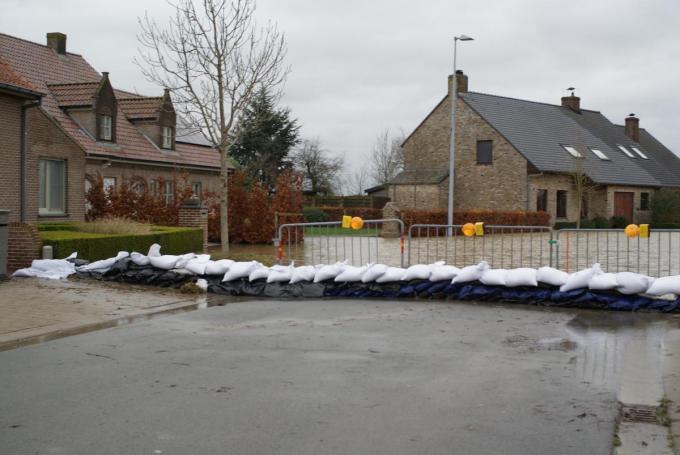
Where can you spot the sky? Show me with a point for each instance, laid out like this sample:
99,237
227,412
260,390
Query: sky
361,66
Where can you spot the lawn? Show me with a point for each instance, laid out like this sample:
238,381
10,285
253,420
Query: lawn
321,231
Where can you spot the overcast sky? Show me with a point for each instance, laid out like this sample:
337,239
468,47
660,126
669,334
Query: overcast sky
359,66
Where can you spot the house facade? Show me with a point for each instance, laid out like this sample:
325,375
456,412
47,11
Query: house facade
514,154
62,123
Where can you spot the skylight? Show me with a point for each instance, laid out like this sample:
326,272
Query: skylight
572,151
642,155
626,151
599,153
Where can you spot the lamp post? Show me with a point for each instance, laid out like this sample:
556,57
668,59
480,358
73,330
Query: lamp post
452,146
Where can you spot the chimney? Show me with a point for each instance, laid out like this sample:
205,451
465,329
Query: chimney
633,127
461,82
572,101
57,41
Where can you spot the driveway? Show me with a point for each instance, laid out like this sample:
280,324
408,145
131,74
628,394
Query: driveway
328,377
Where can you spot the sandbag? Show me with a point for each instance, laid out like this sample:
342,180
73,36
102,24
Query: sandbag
373,272
633,283
240,270
198,264
417,272
350,274
603,282
329,272
218,267
665,285
303,273
183,260
471,273
579,279
154,250
280,274
493,277
258,273
551,276
391,275
104,264
139,258
523,276
443,272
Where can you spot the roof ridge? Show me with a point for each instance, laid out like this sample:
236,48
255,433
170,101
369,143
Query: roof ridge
34,43
141,98
526,101
60,84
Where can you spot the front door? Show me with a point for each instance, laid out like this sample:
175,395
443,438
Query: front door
623,205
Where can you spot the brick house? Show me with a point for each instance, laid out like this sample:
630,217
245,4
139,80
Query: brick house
514,154
82,125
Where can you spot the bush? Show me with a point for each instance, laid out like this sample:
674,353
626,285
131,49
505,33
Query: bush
92,246
601,222
57,226
488,217
618,222
564,225
665,226
666,206
314,215
588,224
367,213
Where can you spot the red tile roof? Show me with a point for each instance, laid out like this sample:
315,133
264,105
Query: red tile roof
139,108
49,73
9,77
74,94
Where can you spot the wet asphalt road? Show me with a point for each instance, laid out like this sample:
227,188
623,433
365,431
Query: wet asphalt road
325,377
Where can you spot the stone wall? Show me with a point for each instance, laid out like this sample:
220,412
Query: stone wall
639,216
423,197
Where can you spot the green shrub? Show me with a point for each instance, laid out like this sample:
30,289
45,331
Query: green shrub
618,222
57,226
666,206
588,224
601,222
173,240
314,215
564,225
665,226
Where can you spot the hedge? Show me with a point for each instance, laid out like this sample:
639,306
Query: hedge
488,217
173,240
336,213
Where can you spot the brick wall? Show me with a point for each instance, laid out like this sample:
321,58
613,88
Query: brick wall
10,151
639,216
24,246
195,216
423,197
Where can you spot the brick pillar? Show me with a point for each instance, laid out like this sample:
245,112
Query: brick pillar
192,214
390,211
24,246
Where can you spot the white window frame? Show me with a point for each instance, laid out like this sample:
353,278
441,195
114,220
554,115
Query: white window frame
639,152
599,153
166,138
626,151
106,127
109,183
572,151
168,191
44,186
199,186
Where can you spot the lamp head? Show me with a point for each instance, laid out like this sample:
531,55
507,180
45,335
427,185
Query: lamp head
464,38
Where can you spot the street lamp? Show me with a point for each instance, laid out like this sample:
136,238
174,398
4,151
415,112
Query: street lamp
452,146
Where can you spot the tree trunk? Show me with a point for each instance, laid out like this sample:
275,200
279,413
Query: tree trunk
224,199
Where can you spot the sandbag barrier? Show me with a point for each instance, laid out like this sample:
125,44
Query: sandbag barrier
126,271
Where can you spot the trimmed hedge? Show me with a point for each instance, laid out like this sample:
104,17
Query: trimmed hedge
314,215
173,240
336,213
488,217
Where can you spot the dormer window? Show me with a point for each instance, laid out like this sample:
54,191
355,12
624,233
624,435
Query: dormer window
572,151
105,127
167,138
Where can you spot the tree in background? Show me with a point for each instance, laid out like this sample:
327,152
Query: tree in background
263,140
214,58
357,182
387,158
321,171
583,186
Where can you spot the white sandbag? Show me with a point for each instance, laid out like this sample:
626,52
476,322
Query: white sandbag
240,270
471,273
417,272
329,272
218,267
183,260
603,282
391,275
280,274
104,264
443,272
373,272
139,258
165,262
198,264
633,283
154,250
522,276
493,277
258,273
580,279
202,284
303,273
53,269
351,274
665,285
549,275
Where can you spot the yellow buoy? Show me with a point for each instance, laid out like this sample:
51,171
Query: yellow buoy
357,223
346,221
468,229
632,230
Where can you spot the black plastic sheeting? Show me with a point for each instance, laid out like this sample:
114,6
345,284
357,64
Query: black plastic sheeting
126,271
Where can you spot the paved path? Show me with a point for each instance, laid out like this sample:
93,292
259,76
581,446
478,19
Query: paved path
327,377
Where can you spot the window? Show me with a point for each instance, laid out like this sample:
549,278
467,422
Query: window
197,189
542,200
644,201
167,138
153,188
109,184
626,151
52,187
484,154
599,153
168,193
561,204
640,154
572,151
139,186
105,127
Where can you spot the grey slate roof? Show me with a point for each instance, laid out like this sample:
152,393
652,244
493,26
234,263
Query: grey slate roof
420,177
538,131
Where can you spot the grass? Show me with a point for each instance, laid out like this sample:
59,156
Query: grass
320,231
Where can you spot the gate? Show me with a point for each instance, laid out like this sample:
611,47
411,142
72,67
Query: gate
327,242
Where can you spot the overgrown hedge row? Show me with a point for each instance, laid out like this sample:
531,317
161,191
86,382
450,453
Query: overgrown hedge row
173,240
488,217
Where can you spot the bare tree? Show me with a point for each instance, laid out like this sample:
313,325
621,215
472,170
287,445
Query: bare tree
358,181
215,59
387,158
321,170
583,186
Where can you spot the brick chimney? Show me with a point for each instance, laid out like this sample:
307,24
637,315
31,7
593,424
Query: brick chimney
57,41
572,102
461,82
633,127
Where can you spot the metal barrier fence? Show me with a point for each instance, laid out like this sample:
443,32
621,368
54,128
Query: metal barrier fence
657,255
500,246
328,242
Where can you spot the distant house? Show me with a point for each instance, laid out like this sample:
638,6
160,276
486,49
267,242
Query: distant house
75,124
513,154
